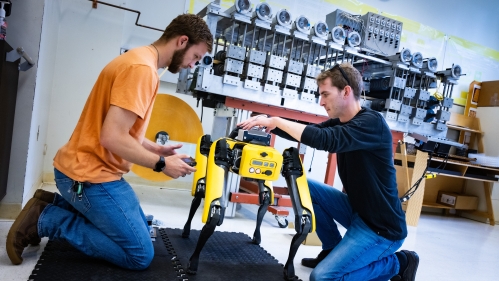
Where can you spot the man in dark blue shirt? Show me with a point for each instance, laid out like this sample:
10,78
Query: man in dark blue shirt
370,209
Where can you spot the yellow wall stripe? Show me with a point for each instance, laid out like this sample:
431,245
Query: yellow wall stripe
353,6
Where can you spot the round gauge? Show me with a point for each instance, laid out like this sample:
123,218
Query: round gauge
354,39
264,11
405,55
321,29
243,6
417,60
302,24
456,71
431,64
338,35
284,18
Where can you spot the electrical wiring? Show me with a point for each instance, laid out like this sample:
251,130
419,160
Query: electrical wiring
414,188
444,162
311,161
379,49
365,66
437,94
202,113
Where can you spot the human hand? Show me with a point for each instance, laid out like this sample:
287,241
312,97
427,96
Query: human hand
176,167
258,121
169,149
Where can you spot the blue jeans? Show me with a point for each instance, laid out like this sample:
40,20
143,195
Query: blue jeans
107,222
361,254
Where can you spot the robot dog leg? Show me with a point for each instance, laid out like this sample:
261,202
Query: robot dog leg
266,195
218,161
199,183
293,172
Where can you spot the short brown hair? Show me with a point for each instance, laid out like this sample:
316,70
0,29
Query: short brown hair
337,79
191,26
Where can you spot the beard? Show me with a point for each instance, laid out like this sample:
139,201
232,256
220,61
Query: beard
177,59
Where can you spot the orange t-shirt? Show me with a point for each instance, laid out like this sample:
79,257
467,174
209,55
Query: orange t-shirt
130,81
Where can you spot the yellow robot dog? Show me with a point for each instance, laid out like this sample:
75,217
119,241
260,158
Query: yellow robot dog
248,154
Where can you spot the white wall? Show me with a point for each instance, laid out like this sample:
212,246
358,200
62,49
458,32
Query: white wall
488,123
25,33
87,40
41,108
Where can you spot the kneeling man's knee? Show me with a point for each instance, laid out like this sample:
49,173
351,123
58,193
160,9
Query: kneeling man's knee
142,260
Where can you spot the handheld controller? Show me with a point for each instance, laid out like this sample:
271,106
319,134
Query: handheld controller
190,161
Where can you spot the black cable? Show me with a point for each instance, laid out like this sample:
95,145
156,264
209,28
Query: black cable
416,184
126,9
313,154
202,113
446,159
414,188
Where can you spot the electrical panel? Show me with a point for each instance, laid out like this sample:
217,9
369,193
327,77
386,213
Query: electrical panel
344,19
274,59
380,35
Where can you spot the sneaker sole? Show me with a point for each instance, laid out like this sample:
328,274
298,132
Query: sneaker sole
11,236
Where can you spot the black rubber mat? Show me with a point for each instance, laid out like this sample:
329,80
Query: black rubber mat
60,261
226,256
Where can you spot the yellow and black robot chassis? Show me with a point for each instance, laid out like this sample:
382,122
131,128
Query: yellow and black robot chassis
248,154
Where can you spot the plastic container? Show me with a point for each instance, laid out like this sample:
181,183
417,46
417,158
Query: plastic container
484,160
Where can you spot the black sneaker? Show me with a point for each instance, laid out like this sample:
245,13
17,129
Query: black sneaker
313,262
409,273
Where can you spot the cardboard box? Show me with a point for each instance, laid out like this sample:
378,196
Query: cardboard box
312,238
457,201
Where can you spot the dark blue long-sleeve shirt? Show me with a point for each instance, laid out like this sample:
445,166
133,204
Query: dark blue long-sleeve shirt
365,166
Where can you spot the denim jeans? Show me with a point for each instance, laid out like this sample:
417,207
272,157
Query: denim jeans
361,254
107,222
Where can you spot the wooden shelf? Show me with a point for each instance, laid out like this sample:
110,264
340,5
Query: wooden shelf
471,178
460,172
464,129
435,205
451,162
412,158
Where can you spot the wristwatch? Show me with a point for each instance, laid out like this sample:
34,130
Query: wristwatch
160,165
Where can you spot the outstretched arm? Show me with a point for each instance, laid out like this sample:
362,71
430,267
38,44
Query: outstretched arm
294,129
164,150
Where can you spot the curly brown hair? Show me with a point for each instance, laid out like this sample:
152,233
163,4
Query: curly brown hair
192,26
338,80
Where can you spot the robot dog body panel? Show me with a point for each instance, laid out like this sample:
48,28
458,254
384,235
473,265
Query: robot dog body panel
305,199
202,161
251,161
216,177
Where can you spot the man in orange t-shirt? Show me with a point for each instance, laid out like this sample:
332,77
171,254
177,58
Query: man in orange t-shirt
97,211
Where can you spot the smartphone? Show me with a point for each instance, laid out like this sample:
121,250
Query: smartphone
190,161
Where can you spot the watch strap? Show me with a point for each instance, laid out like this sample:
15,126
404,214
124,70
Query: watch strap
160,165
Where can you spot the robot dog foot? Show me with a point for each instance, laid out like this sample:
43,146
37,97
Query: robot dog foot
192,267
